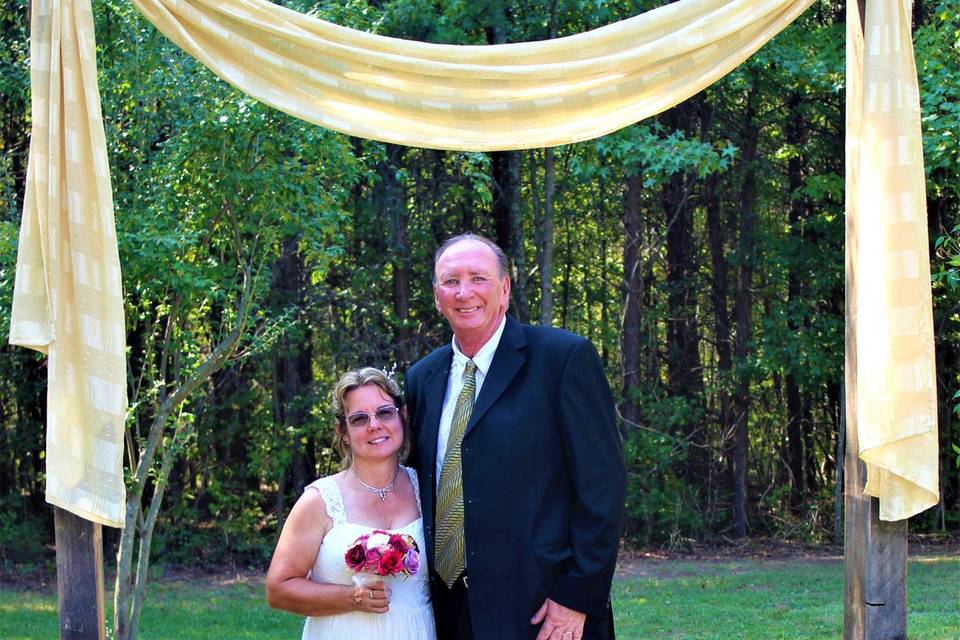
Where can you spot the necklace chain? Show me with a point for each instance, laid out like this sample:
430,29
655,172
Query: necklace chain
380,491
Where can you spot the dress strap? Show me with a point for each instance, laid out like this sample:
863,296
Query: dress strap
332,498
412,474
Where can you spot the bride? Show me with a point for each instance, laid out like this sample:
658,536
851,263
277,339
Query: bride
309,574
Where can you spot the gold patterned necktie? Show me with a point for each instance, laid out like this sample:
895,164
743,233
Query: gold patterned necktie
449,545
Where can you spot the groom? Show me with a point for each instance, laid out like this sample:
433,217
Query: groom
521,464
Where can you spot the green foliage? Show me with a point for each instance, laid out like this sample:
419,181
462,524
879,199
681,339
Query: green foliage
937,44
938,53
659,504
340,232
657,154
947,249
22,538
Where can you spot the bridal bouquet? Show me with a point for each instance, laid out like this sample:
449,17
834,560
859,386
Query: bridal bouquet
380,553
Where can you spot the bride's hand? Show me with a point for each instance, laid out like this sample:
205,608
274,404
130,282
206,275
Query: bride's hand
372,598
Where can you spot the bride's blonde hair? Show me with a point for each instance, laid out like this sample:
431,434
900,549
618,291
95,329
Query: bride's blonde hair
360,378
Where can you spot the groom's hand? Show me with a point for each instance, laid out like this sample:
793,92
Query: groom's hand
559,622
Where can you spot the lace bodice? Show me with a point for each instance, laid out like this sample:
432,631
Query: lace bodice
410,616
333,498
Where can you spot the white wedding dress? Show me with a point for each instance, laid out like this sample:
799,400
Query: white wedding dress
410,616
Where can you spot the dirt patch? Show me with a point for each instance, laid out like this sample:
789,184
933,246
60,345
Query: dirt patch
213,576
44,579
695,559
687,559
20,578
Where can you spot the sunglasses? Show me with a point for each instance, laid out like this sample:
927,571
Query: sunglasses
383,415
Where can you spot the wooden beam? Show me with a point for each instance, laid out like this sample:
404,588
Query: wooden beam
875,552
79,577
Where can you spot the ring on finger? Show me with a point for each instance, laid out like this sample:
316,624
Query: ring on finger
567,635
372,597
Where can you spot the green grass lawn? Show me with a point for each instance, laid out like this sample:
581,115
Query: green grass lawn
776,600
765,600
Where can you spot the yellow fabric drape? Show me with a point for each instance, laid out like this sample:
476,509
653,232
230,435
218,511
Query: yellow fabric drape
67,299
482,98
896,385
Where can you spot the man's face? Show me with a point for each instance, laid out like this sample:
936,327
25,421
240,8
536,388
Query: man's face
469,291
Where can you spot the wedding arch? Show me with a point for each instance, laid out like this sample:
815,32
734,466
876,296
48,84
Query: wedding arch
68,298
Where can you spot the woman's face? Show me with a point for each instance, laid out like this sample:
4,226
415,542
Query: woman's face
374,429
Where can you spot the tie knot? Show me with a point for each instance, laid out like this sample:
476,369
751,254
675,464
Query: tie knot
471,368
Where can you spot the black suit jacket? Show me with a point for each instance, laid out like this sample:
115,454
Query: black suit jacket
543,478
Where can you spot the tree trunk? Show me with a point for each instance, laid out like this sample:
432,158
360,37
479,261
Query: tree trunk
604,287
919,14
129,587
394,210
794,441
684,369
505,167
743,303
545,239
794,453
544,221
835,395
632,301
293,373
811,468
506,215
719,297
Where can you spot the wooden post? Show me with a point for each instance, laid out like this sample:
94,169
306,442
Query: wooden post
875,552
79,577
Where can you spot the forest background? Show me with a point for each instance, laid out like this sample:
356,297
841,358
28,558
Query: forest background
701,251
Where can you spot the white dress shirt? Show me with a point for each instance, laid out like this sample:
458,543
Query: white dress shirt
458,368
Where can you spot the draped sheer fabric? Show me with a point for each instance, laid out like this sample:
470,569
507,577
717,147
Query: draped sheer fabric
896,399
67,295
514,96
68,299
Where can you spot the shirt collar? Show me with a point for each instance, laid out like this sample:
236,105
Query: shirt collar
484,357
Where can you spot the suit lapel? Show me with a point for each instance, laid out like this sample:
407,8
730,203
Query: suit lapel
506,363
435,386
434,390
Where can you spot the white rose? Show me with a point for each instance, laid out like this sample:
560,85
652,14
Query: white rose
377,540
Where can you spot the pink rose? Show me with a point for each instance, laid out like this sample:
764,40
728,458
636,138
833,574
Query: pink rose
372,558
355,557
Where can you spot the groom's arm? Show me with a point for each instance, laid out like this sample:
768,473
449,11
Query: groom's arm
595,465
